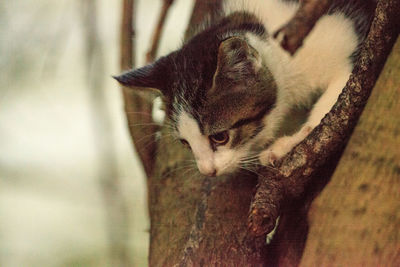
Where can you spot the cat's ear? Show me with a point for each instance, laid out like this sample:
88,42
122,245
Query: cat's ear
237,59
151,76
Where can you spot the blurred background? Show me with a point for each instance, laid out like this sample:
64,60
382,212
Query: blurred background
63,131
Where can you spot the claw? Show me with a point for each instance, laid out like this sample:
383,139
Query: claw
273,158
268,157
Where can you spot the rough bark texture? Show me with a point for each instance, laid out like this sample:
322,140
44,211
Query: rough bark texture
200,221
197,220
356,219
296,170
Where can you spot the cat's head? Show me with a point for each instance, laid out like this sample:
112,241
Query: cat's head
216,94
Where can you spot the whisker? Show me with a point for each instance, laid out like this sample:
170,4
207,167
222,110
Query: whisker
189,160
145,124
189,170
250,170
139,113
254,160
179,168
146,141
270,168
151,124
195,174
251,157
168,124
143,138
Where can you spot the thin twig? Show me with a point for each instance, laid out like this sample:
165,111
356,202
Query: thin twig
152,53
127,41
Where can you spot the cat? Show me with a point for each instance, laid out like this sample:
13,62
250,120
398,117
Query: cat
228,88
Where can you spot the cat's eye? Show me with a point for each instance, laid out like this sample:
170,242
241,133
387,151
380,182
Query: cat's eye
220,138
185,143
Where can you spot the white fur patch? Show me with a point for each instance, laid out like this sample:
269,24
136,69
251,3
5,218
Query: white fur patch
322,64
222,161
189,130
321,59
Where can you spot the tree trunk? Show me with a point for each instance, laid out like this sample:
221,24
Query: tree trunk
197,220
355,221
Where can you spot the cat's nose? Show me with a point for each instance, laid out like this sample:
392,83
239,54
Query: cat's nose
211,173
207,169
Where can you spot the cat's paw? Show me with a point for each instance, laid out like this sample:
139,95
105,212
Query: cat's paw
282,146
267,157
277,150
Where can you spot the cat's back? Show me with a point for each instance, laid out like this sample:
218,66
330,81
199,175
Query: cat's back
273,13
331,45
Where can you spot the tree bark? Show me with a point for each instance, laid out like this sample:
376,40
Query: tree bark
296,170
197,220
138,104
356,219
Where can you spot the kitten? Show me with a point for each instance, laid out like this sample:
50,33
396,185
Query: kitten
228,88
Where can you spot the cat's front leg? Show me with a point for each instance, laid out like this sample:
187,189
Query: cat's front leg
285,144
282,146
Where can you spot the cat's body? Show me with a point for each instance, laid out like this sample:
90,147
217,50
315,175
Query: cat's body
228,88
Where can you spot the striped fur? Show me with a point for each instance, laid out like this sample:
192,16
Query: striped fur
228,88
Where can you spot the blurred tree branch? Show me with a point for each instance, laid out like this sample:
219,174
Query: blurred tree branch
138,103
128,35
152,53
292,34
203,10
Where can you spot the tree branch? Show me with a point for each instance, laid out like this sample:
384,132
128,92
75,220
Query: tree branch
152,53
363,193
292,34
138,104
127,35
202,10
296,169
